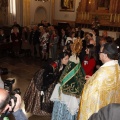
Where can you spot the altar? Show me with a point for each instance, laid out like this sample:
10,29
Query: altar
112,34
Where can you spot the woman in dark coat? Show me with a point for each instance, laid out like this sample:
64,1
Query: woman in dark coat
16,40
37,96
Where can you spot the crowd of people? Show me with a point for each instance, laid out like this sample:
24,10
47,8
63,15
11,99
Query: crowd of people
81,79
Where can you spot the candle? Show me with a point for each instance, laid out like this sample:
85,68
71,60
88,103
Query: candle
88,16
118,18
111,18
85,16
82,16
115,18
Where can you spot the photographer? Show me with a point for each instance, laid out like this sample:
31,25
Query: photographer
14,107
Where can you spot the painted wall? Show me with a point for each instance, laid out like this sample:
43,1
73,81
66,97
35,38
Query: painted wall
67,16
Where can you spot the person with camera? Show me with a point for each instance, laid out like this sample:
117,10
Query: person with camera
8,106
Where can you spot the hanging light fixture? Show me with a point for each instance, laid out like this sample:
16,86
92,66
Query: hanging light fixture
42,0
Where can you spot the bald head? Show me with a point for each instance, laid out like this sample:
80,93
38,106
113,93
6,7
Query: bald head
4,98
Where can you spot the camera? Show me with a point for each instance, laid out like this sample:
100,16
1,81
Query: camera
3,71
12,95
8,86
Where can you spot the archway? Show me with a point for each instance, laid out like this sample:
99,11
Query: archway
40,14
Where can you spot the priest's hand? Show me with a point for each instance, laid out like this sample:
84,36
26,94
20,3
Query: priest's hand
87,77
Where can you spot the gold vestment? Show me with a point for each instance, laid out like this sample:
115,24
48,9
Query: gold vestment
100,90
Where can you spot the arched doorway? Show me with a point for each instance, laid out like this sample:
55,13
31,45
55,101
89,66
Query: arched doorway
40,14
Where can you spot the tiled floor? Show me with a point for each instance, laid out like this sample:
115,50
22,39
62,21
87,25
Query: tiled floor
22,69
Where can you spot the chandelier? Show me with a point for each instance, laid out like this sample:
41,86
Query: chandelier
42,0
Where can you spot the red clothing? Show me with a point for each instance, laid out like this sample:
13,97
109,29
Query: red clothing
89,65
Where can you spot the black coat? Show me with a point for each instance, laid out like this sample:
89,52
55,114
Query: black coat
51,74
80,34
34,37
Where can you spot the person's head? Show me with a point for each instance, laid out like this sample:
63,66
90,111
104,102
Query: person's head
15,30
52,27
108,52
35,27
64,57
63,31
55,32
90,51
104,33
40,28
89,35
72,34
91,41
25,28
68,45
4,99
73,29
102,41
1,31
43,30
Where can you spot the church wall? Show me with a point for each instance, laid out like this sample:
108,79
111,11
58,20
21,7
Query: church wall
54,15
34,5
64,16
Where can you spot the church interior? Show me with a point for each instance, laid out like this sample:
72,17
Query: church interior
103,15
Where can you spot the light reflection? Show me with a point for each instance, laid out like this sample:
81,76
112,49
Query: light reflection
13,7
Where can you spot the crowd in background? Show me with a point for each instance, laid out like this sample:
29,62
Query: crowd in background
44,40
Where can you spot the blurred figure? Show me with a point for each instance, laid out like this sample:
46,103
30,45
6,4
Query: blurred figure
71,37
25,41
62,39
44,42
54,44
16,41
15,24
79,32
34,42
2,36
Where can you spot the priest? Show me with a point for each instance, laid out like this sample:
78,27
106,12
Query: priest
103,87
